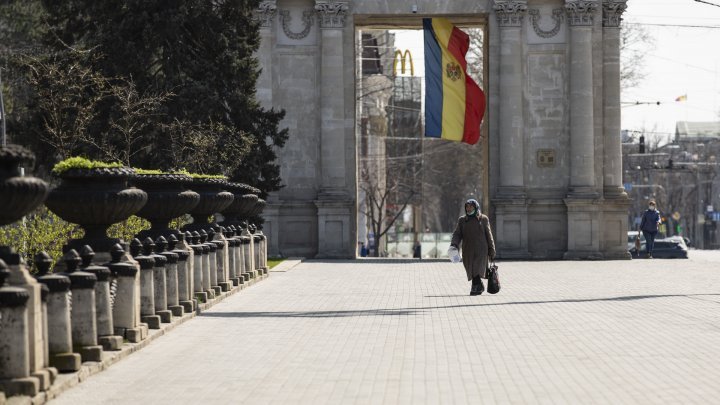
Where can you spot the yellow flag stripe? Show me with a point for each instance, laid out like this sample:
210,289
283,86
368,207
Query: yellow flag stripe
453,116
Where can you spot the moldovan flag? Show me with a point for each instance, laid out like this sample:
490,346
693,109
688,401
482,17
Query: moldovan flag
454,104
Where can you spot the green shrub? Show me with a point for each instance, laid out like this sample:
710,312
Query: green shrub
127,229
149,171
179,222
38,231
78,162
206,176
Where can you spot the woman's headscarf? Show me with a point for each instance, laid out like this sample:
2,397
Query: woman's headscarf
475,204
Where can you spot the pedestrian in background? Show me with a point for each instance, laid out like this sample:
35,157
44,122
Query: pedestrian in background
649,227
478,246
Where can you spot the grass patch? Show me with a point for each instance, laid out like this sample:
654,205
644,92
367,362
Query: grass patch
274,262
78,162
206,176
149,171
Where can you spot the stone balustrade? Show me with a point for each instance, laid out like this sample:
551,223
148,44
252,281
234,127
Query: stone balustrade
103,305
83,315
109,295
186,256
60,353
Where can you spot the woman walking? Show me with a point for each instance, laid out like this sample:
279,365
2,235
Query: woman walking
478,246
649,227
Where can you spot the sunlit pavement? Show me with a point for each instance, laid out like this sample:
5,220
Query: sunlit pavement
643,331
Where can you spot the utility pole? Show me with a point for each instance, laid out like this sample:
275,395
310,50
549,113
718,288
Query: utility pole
699,214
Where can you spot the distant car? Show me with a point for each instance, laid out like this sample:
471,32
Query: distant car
673,247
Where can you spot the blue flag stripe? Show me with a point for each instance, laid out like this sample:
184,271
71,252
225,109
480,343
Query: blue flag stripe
433,82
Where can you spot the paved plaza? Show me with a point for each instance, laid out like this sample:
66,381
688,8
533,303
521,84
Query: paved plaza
380,332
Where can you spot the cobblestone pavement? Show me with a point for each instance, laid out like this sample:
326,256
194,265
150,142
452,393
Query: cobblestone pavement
632,332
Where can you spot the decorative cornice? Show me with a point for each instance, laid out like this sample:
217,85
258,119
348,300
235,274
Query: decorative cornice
581,12
331,13
510,13
308,20
558,16
612,12
265,13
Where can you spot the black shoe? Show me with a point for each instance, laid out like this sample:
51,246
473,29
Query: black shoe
477,287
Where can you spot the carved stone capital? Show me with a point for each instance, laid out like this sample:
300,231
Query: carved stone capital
510,13
265,13
581,12
612,12
558,15
331,13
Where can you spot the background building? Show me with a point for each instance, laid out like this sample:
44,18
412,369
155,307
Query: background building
682,176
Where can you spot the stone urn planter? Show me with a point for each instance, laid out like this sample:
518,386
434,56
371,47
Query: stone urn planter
95,199
257,209
244,201
18,195
168,198
213,199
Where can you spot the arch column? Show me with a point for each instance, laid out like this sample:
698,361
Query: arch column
266,15
335,204
616,204
582,151
511,209
584,213
612,158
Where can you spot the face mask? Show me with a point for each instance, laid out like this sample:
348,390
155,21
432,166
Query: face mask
652,208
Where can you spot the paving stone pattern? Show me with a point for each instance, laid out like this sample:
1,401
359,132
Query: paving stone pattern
366,332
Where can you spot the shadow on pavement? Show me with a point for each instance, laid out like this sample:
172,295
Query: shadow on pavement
315,314
420,310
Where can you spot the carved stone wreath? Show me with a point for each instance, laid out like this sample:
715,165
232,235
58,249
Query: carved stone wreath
557,15
308,20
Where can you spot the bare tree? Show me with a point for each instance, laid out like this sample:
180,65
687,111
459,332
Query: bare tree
635,44
131,122
68,95
380,213
475,56
197,147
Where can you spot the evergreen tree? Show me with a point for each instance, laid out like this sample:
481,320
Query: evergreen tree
201,52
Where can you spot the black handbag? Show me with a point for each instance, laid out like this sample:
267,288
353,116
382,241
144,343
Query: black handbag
493,279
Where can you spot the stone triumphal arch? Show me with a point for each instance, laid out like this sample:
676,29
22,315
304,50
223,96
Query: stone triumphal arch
553,121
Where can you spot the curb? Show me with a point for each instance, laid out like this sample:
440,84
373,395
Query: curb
287,264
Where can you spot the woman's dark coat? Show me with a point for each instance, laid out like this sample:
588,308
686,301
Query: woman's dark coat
477,244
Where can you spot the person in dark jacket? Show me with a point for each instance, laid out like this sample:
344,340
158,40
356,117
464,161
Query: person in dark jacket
649,227
478,246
